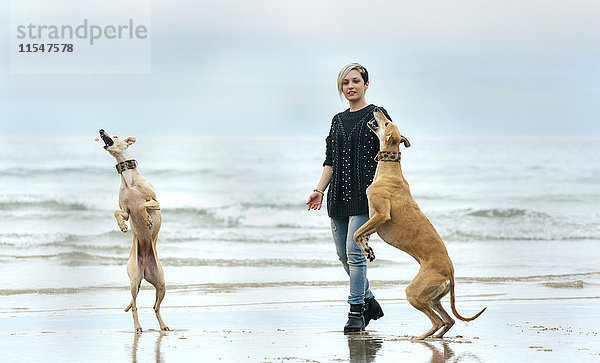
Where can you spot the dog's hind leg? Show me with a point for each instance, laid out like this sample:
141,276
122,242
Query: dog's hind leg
135,288
436,305
418,294
135,279
436,321
448,321
381,206
149,204
154,274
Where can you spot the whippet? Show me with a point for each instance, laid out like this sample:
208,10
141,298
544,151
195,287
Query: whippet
398,220
137,203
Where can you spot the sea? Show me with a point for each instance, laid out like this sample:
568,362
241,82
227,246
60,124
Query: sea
519,216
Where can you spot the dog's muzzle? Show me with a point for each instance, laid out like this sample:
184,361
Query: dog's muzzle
107,140
372,125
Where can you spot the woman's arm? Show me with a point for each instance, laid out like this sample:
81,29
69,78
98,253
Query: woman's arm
316,198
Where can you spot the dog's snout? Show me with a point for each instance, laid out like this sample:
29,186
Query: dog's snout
108,141
372,125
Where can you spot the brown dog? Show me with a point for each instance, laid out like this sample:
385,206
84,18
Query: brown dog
396,217
137,201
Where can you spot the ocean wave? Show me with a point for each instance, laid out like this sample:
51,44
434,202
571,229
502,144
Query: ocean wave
90,258
27,240
271,219
504,234
258,215
151,172
246,236
577,284
77,258
44,291
175,288
237,215
50,170
233,286
227,287
504,213
52,240
101,258
245,214
42,205
118,242
501,224
263,262
202,216
549,278
571,198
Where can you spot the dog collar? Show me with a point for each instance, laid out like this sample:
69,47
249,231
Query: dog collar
388,156
124,165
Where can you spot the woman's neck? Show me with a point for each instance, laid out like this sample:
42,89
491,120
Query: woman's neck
358,105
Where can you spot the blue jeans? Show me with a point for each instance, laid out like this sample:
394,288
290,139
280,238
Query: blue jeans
352,258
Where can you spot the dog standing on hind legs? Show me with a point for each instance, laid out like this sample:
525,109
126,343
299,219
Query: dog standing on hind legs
138,204
398,220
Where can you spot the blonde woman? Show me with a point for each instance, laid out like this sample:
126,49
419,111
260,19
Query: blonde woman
348,170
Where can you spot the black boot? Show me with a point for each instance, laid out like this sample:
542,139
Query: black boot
356,320
372,311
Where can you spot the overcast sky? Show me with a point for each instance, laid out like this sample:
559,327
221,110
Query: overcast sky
269,67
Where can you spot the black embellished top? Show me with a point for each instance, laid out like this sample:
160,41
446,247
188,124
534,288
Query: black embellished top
350,150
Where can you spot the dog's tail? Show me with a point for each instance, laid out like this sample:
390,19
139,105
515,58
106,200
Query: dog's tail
129,306
452,304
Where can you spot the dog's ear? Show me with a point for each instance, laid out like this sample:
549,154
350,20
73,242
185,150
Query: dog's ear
405,141
130,140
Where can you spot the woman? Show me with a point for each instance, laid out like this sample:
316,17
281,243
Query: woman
348,170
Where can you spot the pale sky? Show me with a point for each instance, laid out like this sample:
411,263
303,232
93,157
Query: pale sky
269,67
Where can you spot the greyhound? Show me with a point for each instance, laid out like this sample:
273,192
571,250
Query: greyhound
137,201
398,220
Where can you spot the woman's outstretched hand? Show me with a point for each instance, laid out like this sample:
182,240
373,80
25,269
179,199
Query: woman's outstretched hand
314,201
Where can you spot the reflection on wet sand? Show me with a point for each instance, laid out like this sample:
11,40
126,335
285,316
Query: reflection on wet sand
446,354
134,349
438,356
157,354
363,347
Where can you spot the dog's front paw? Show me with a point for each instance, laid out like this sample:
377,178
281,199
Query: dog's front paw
123,227
369,253
149,222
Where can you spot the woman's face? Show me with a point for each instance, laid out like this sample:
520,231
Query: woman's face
353,86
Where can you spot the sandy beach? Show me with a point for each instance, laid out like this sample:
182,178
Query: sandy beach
545,330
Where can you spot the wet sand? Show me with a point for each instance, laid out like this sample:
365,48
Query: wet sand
510,330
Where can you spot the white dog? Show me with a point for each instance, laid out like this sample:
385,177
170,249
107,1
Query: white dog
137,202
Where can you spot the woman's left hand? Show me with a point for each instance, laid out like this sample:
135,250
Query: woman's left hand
315,200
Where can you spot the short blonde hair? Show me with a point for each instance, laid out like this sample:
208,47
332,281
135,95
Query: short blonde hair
346,69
